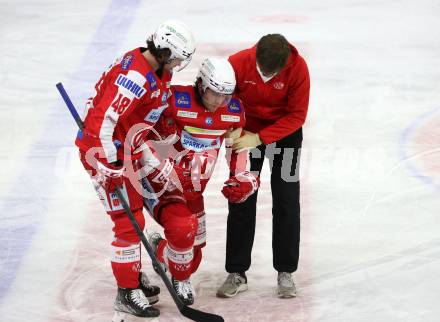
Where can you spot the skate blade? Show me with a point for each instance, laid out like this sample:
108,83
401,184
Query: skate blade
125,317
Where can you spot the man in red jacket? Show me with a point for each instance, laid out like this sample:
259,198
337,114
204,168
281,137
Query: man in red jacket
273,83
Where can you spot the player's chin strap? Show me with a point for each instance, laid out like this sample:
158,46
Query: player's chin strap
188,312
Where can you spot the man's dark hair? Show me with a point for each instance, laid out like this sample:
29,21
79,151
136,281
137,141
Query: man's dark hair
162,54
197,90
272,53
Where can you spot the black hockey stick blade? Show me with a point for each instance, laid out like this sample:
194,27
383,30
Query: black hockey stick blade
200,316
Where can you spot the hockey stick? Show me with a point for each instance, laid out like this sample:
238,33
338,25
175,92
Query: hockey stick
190,313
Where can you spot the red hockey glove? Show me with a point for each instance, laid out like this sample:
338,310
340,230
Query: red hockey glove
162,175
239,187
110,176
186,183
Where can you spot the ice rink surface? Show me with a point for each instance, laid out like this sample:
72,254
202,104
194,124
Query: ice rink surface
370,166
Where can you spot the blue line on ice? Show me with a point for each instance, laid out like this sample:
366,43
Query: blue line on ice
19,227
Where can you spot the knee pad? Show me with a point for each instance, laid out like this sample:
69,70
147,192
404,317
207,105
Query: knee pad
197,207
180,226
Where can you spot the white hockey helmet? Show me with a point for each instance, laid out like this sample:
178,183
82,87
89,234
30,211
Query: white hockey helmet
218,75
177,37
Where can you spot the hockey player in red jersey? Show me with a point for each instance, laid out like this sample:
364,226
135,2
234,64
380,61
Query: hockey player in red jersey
128,100
203,116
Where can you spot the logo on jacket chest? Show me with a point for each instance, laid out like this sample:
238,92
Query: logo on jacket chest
278,85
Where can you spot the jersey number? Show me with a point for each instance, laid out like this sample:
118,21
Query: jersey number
120,104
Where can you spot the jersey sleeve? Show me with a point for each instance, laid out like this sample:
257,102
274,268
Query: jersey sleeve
119,99
237,161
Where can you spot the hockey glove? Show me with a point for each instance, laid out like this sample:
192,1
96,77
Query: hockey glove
109,176
159,176
239,187
167,172
186,182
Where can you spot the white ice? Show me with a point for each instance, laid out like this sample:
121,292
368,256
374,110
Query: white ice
370,166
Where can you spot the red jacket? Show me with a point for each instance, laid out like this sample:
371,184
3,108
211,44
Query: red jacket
279,107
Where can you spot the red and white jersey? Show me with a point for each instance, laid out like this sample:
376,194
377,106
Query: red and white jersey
201,132
129,99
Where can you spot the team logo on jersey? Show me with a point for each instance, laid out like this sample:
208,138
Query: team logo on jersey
117,144
150,199
115,203
230,118
154,114
131,86
208,120
126,62
234,106
151,80
278,85
155,94
199,144
182,99
187,114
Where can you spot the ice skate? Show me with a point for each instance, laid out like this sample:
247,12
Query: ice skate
286,286
134,302
184,290
150,291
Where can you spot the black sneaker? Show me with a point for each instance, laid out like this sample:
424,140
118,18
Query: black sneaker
134,301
